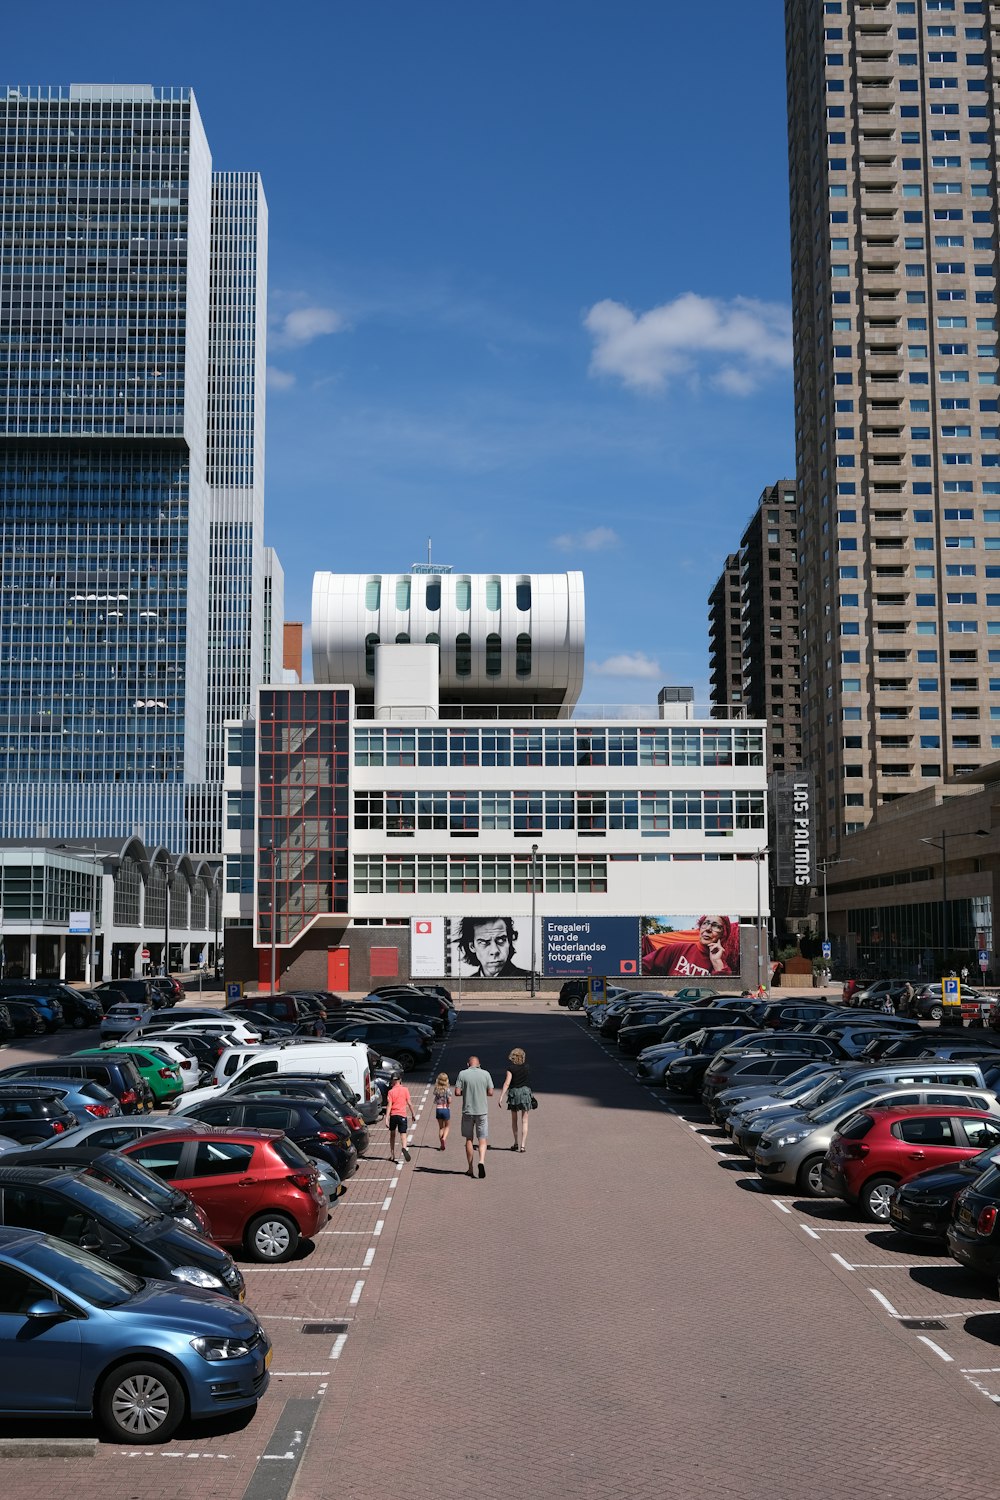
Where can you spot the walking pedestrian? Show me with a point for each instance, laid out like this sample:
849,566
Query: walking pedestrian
442,1107
474,1087
398,1105
517,1093
906,1000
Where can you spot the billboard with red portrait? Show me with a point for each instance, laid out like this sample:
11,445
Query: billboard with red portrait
690,947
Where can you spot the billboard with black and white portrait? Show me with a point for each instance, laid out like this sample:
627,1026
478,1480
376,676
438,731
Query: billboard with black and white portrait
490,947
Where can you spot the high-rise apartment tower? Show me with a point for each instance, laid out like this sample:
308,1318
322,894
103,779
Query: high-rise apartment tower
893,167
132,305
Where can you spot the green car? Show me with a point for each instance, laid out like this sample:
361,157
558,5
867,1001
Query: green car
160,1071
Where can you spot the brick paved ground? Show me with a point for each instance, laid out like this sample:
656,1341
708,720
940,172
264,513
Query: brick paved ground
607,1316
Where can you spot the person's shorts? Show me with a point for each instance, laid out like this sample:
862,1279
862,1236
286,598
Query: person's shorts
476,1127
443,1114
398,1122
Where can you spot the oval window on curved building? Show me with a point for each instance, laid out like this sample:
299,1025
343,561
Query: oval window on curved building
373,593
463,593
463,656
432,597
493,593
433,639
494,656
402,593
523,667
523,593
402,639
371,641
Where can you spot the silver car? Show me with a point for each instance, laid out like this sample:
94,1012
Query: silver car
113,1134
791,1151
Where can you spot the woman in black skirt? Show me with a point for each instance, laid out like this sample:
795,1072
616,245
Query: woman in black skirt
517,1093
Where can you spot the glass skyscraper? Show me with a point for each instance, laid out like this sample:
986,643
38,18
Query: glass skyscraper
132,307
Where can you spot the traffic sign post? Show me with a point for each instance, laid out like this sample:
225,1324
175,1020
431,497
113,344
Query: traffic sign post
598,988
827,950
234,992
951,1001
984,960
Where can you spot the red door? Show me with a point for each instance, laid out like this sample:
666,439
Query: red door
338,969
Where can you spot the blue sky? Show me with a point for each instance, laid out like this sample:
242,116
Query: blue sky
529,282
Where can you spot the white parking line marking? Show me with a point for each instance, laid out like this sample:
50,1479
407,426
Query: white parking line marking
284,1270
386,1203
338,1346
784,1208
989,1370
355,1298
360,1203
345,1231
936,1347
885,1302
379,1226
369,1257
841,1261
289,1373
843,1228
914,1265
809,1231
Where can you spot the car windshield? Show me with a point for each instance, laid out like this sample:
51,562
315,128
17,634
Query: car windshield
795,1081
122,1213
80,1274
844,1104
290,1154
131,1175
823,1091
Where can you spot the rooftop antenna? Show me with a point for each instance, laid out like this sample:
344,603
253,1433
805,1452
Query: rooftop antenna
429,566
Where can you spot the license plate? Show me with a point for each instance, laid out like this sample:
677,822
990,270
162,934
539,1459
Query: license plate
965,1216
243,1295
267,1358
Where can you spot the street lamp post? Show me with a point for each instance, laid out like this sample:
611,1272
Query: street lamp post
824,865
977,833
534,852
760,856
217,902
169,873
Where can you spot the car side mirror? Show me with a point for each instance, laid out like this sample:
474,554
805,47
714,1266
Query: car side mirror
46,1307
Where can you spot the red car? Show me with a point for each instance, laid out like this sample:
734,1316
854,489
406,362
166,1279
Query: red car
879,1148
257,1187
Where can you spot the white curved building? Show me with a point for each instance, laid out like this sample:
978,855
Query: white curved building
504,638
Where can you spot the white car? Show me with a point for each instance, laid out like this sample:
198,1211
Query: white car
235,1032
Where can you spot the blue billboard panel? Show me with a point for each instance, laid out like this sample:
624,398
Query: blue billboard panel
590,945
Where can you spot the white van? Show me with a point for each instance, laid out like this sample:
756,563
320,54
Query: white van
296,1055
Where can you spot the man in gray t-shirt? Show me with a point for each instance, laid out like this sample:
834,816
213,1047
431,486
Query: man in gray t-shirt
474,1087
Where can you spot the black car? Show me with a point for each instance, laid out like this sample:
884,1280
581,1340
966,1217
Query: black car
643,1026
122,1172
269,1028
139,991
325,1089
674,1026
403,1042
89,1213
118,1074
643,1013
974,1231
418,1006
780,1015
7,1032
31,1115
573,993
310,1123
25,1019
922,1207
684,1075
79,1010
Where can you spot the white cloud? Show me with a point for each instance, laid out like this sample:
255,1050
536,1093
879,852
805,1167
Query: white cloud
303,324
628,664
737,344
279,380
598,539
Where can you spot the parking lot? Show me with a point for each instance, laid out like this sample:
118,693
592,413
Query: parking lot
621,1311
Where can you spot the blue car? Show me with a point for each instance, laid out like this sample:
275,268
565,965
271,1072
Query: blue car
81,1338
86,1100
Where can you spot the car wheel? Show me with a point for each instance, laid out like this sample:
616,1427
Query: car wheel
78,1023
935,1012
810,1180
405,1060
141,1402
876,1199
272,1238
